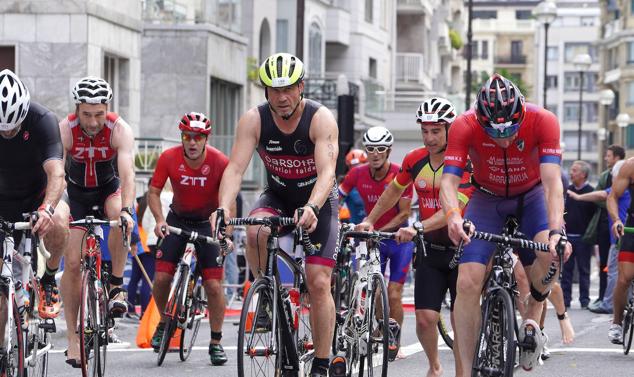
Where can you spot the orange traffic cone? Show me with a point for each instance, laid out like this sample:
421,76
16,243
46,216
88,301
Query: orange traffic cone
147,326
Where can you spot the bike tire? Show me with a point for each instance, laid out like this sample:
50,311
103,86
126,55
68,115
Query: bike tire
257,347
89,328
195,313
377,321
172,311
444,330
36,337
498,322
303,334
628,328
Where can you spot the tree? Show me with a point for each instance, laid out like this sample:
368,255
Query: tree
478,81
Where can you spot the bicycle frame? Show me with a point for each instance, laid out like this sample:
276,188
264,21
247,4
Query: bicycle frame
183,265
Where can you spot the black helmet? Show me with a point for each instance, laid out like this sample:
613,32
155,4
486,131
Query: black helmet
500,107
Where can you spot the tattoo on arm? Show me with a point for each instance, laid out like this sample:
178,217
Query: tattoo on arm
331,150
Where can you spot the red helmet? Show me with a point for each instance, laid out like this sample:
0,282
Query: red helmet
195,122
500,107
355,157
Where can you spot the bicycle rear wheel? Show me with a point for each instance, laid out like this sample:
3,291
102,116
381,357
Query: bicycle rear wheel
628,328
444,327
259,348
302,330
173,311
495,349
37,339
377,322
89,328
197,300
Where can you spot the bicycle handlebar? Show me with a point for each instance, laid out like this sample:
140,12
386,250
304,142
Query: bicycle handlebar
192,236
90,220
267,221
370,235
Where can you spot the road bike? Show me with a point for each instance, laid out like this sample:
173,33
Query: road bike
628,316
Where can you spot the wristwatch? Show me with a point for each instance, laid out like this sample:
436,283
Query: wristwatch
418,226
129,210
48,209
314,208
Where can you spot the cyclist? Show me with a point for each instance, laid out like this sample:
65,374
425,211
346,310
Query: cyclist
620,183
516,156
353,200
194,170
422,168
99,152
370,181
297,139
32,177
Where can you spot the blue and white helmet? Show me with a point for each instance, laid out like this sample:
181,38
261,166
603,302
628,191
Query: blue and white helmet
14,100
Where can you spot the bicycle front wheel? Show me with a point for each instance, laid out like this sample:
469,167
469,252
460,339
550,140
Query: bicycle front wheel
444,326
196,303
258,341
37,339
90,326
628,327
173,312
495,350
377,322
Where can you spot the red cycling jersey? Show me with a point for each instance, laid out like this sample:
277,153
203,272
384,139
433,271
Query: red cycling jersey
504,171
91,160
195,190
417,169
371,189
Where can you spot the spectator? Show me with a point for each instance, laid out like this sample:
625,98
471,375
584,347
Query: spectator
577,216
598,231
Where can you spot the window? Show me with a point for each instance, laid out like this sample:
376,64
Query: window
372,69
369,16
588,21
516,49
485,14
552,53
523,14
553,109
7,58
225,107
571,111
112,73
281,36
572,80
573,49
474,50
630,52
265,40
314,50
630,93
551,81
589,141
485,50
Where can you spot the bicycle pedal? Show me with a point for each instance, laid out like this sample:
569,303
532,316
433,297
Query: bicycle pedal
48,325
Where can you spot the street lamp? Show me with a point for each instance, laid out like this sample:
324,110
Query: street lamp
606,97
581,62
623,120
545,12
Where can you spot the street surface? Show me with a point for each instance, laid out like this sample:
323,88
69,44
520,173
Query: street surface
591,354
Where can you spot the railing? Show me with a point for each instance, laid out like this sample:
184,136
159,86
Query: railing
512,59
324,90
224,13
374,97
409,67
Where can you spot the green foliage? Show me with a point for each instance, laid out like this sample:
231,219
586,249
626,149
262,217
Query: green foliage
252,69
146,161
478,80
456,39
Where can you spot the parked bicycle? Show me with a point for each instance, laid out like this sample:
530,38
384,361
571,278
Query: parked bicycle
363,330
628,316
274,337
187,300
498,340
94,320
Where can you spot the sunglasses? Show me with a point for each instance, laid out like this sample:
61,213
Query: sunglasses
502,130
188,137
377,149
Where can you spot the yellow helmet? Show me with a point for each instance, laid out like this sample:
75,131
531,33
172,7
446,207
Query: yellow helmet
280,70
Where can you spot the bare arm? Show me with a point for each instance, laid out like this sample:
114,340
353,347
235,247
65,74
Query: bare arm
449,184
55,183
154,203
325,135
123,141
553,191
594,196
388,199
620,183
404,208
245,142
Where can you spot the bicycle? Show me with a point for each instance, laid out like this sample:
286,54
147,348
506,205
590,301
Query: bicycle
628,316
274,336
343,272
187,301
94,320
496,343
363,329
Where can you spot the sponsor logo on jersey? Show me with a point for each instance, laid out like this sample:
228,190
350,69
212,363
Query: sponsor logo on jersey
26,135
489,145
193,181
499,161
81,153
181,168
300,147
273,149
422,183
205,169
289,167
278,180
520,144
274,141
453,158
307,183
512,178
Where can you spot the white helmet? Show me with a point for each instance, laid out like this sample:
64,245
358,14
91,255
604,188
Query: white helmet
436,109
14,100
378,136
92,90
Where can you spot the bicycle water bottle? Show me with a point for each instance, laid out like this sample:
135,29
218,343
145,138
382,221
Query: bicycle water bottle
295,307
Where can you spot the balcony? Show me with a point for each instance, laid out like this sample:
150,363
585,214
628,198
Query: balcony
338,26
612,28
414,7
612,75
510,60
410,70
226,14
324,91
